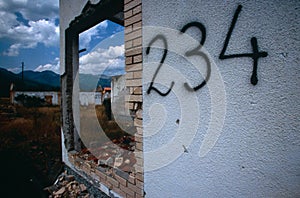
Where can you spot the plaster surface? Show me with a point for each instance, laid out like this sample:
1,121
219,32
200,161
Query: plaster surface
257,152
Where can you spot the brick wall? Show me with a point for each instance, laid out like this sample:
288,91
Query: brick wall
111,181
133,61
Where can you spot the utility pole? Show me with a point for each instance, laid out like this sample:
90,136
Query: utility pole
23,71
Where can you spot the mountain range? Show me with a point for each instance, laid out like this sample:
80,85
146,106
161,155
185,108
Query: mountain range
46,81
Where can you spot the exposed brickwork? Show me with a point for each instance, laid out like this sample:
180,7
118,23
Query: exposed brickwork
133,67
126,184
122,183
133,53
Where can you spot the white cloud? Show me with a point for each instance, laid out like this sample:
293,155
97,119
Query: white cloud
15,70
86,37
7,20
41,31
103,24
52,67
13,50
41,27
99,60
32,10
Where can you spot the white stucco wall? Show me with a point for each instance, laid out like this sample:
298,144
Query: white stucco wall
42,95
69,10
90,98
254,149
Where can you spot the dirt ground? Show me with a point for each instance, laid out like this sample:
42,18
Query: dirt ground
30,149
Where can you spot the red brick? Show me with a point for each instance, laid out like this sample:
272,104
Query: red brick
139,113
138,168
128,60
129,105
128,29
129,196
139,145
133,19
95,176
140,176
121,180
139,123
127,14
139,184
134,67
86,167
139,196
71,158
139,131
78,162
131,179
135,189
101,174
137,42
134,98
134,34
107,184
138,74
139,162
137,58
127,190
138,138
132,4
134,83
134,51
137,26
127,1
128,44
137,9
112,181
129,75
119,191
136,90
138,154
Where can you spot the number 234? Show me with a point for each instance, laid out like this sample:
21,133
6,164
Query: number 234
255,55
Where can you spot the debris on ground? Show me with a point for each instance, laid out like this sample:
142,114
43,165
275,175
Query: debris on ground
67,186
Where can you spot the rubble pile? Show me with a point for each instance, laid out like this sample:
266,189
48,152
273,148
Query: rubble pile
111,166
117,154
67,186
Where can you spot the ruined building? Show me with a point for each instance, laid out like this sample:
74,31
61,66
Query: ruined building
208,107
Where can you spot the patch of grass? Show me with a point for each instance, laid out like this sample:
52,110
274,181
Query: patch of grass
35,133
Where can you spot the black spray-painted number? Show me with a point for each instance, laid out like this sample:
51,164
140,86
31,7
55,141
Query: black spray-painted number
196,52
255,55
161,37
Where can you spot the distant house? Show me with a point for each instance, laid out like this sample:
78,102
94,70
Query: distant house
54,97
50,97
90,98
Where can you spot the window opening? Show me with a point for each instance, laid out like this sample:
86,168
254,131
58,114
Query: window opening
106,127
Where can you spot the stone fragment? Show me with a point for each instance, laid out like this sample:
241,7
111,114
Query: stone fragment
82,187
118,161
60,191
69,177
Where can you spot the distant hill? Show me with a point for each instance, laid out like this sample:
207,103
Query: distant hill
89,82
28,84
46,81
44,77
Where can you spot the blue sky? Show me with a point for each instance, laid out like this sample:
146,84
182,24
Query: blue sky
29,33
